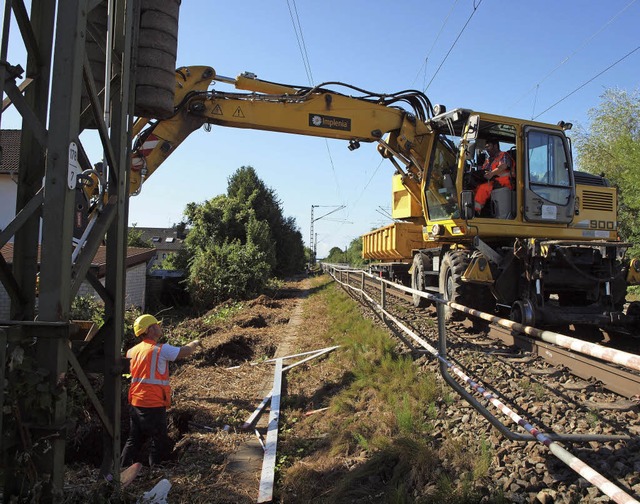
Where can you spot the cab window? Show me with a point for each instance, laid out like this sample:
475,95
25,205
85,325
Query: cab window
440,190
549,175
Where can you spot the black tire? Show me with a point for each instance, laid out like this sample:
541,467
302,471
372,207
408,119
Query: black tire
522,313
417,280
454,263
157,48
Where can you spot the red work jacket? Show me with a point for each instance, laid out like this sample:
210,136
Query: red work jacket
502,157
149,388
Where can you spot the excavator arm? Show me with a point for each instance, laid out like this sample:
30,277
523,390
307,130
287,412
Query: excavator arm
314,111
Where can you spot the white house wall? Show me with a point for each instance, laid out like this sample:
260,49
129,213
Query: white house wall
136,282
7,200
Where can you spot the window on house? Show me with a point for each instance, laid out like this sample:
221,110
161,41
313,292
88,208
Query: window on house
170,240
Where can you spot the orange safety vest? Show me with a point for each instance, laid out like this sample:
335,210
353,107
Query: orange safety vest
502,157
483,191
149,388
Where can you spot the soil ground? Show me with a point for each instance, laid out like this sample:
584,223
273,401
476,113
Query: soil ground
213,394
362,424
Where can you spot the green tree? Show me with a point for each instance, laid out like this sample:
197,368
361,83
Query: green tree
307,254
336,255
352,255
290,250
237,241
245,185
134,238
610,145
227,270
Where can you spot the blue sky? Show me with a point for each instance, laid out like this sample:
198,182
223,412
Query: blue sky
515,58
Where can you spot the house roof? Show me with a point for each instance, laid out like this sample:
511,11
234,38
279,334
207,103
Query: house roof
10,145
162,238
135,256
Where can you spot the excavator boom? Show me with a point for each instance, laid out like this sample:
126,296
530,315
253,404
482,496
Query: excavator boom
548,232
316,111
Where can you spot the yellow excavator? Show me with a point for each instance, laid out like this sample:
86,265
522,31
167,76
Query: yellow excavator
544,248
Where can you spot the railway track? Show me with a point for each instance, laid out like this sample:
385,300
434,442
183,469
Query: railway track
610,376
574,400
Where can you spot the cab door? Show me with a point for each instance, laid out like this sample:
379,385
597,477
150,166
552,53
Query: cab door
549,188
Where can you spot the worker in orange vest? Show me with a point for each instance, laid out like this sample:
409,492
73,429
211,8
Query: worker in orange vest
498,169
150,392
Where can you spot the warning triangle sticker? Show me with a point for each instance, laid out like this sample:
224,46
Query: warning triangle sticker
217,110
238,113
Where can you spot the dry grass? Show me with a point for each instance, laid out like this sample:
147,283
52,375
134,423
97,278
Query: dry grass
371,441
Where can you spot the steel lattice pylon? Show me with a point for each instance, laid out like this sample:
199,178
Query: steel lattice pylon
43,278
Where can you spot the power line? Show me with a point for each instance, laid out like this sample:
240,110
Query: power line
566,59
300,39
590,80
354,205
333,169
297,29
426,59
475,8
369,182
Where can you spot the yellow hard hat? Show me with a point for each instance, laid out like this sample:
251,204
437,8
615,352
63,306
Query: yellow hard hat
142,323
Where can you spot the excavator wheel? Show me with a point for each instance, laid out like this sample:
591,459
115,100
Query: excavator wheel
522,312
454,263
417,279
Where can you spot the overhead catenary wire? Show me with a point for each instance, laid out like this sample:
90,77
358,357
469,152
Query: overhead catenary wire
333,170
567,58
587,82
297,28
475,9
426,59
420,104
368,182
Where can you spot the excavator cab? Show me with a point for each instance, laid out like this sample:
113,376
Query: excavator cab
541,186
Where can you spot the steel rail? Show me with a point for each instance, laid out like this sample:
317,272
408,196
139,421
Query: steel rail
573,462
610,376
612,355
481,409
616,380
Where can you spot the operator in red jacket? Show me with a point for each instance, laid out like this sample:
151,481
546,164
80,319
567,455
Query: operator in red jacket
150,393
498,167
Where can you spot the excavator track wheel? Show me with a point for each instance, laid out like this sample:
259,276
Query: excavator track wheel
523,313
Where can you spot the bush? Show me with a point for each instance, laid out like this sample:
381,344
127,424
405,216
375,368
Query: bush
87,308
129,339
228,270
